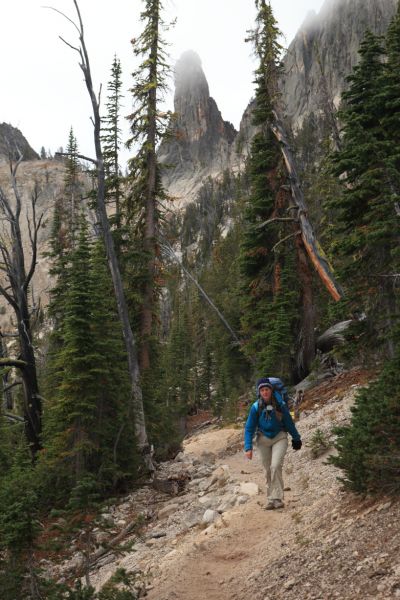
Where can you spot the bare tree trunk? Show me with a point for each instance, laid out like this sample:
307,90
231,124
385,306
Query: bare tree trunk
306,351
7,396
16,293
311,244
32,400
130,344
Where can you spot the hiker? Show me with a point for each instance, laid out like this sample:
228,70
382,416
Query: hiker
270,418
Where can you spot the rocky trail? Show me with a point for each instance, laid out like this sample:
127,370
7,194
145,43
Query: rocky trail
209,537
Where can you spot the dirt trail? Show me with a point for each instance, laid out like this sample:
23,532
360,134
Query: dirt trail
209,564
324,545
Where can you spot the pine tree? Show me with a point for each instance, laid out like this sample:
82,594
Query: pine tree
262,262
111,140
369,448
19,526
88,428
147,128
365,236
72,189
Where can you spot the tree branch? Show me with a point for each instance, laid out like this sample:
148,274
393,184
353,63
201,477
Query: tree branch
92,160
283,219
63,15
11,386
9,298
284,239
13,362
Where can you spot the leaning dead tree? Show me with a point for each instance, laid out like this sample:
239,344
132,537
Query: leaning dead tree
313,248
15,280
130,342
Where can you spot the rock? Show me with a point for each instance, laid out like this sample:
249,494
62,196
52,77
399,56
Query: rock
201,142
210,516
289,584
249,488
208,501
242,499
218,478
384,506
180,457
226,504
208,458
100,537
121,523
191,520
167,510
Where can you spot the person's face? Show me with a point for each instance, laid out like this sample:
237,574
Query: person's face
266,393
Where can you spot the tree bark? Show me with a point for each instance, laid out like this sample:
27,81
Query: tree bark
306,350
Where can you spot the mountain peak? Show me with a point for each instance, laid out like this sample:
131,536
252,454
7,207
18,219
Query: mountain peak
201,141
189,76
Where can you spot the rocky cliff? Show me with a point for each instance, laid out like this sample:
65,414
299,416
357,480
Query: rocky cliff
201,142
49,176
317,63
12,140
324,52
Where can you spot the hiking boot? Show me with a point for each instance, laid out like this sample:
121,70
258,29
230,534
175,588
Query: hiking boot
278,504
270,505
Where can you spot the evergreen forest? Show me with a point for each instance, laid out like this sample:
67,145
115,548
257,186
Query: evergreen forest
156,315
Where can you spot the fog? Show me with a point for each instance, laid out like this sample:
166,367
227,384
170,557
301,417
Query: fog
43,92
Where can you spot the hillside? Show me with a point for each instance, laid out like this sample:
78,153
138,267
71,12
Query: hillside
214,539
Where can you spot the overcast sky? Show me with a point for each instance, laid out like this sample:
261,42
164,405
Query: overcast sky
42,89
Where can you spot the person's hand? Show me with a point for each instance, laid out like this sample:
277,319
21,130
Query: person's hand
297,444
249,454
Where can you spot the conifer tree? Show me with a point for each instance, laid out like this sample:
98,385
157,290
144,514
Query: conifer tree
129,338
365,236
148,125
111,140
72,188
88,428
369,448
262,261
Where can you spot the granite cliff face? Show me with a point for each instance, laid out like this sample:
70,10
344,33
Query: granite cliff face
317,63
49,176
324,52
201,143
11,139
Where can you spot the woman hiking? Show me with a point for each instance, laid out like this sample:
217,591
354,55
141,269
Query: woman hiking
270,419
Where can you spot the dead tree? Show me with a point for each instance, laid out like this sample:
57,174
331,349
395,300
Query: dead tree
313,249
130,342
14,287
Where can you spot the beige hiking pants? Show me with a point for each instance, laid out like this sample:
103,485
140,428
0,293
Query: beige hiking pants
272,453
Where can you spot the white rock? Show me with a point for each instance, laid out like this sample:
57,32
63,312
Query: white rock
249,488
208,501
210,516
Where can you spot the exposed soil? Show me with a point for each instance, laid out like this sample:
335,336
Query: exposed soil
325,544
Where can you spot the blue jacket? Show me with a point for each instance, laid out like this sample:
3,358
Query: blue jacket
269,425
